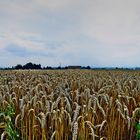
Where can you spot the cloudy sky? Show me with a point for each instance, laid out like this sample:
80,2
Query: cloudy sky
71,32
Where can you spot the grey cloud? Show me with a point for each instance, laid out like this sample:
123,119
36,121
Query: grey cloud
94,32
16,50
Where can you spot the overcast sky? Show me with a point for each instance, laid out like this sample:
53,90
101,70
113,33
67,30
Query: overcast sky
70,32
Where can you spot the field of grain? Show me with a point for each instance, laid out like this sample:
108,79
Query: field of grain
69,105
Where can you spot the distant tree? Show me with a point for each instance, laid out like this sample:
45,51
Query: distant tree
88,67
37,66
59,67
28,66
18,66
66,67
31,66
48,67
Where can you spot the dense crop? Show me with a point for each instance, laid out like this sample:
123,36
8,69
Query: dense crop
69,105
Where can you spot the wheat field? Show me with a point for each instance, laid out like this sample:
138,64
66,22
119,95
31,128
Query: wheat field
69,105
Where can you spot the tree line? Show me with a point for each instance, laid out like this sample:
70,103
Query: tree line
38,66
28,66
